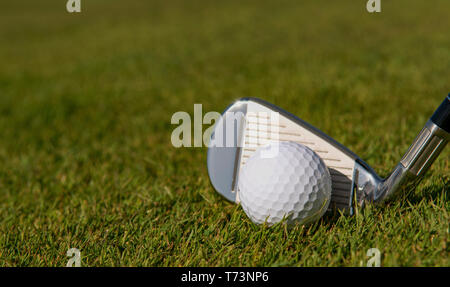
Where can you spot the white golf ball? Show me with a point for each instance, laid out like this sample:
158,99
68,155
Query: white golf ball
292,183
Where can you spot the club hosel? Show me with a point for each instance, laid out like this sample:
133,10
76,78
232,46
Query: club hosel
400,179
417,160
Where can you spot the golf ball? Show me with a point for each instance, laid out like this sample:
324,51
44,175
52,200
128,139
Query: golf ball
284,180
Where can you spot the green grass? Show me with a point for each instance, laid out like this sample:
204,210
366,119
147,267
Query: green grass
85,108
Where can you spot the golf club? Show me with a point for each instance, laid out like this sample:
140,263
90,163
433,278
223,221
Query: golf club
250,122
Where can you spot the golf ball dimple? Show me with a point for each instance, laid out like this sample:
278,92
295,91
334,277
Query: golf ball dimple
292,183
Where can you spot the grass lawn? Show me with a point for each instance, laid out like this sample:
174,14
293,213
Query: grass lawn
85,107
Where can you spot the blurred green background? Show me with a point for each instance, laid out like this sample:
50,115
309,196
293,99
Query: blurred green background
86,101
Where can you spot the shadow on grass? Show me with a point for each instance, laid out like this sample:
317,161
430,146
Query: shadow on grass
433,192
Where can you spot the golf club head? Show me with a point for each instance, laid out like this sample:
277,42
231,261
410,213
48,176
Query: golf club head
250,123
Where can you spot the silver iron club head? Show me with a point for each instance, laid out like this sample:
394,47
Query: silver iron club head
250,123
